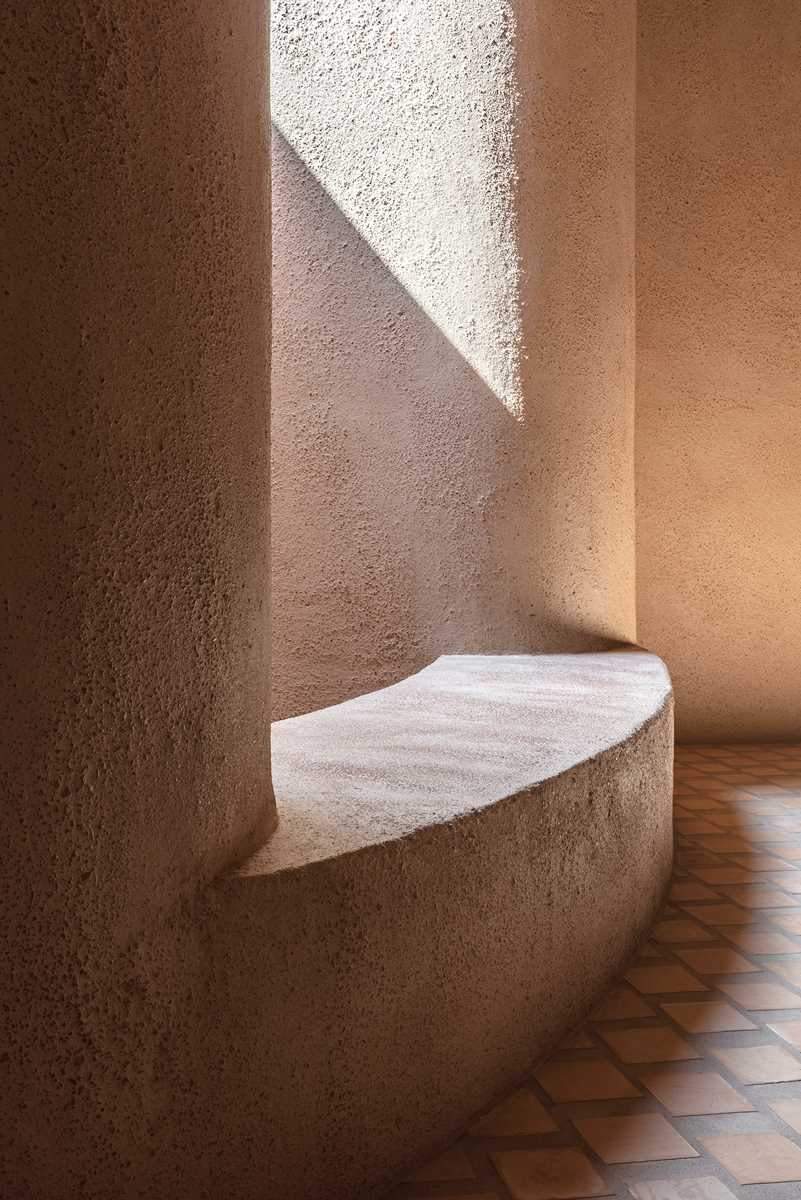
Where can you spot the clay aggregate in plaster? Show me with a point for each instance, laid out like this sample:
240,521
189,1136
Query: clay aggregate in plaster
453,336
420,752
718,356
315,1024
134,744
492,837
405,113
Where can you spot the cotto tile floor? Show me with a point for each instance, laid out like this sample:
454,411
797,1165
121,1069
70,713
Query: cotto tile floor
685,1083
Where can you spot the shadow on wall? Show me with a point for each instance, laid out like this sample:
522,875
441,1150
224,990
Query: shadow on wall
388,547
403,505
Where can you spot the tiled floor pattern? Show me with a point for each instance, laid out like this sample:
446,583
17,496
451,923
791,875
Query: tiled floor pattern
685,1083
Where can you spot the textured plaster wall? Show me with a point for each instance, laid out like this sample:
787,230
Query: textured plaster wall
134,749
453,335
718,360
494,838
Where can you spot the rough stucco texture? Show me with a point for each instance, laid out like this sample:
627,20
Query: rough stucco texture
134,753
718,356
487,841
453,335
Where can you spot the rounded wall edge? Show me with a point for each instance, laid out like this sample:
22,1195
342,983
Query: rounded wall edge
314,1032
401,998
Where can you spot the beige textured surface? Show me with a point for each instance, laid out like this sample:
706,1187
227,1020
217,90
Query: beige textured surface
311,1025
465,732
134,745
453,339
718,359
503,835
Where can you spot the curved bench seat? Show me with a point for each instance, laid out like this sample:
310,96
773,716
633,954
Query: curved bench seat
463,862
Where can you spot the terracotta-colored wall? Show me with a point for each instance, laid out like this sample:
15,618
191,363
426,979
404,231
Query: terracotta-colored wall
453,335
134,751
719,360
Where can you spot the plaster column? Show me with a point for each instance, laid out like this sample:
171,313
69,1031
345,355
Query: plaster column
453,337
135,725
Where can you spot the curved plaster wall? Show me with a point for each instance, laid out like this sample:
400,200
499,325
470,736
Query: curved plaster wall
453,335
718,357
134,755
464,861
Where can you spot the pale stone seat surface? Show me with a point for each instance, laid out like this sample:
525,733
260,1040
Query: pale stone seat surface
466,732
463,863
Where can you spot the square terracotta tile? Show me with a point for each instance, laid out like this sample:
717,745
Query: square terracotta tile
720,914
622,1004
653,981
695,801
761,941
791,852
755,895
549,1175
647,1137
760,1064
716,875
751,812
519,1115
709,1016
401,1193
452,1165
789,921
738,820
584,1079
689,858
789,1031
759,862
788,1110
692,825
658,1043
681,931
724,843
578,1040
789,821
716,961
690,889
789,883
756,807
761,997
706,1188
692,1094
789,969
728,794
757,838
757,1157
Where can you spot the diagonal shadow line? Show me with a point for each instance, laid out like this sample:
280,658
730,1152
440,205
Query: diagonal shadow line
406,516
